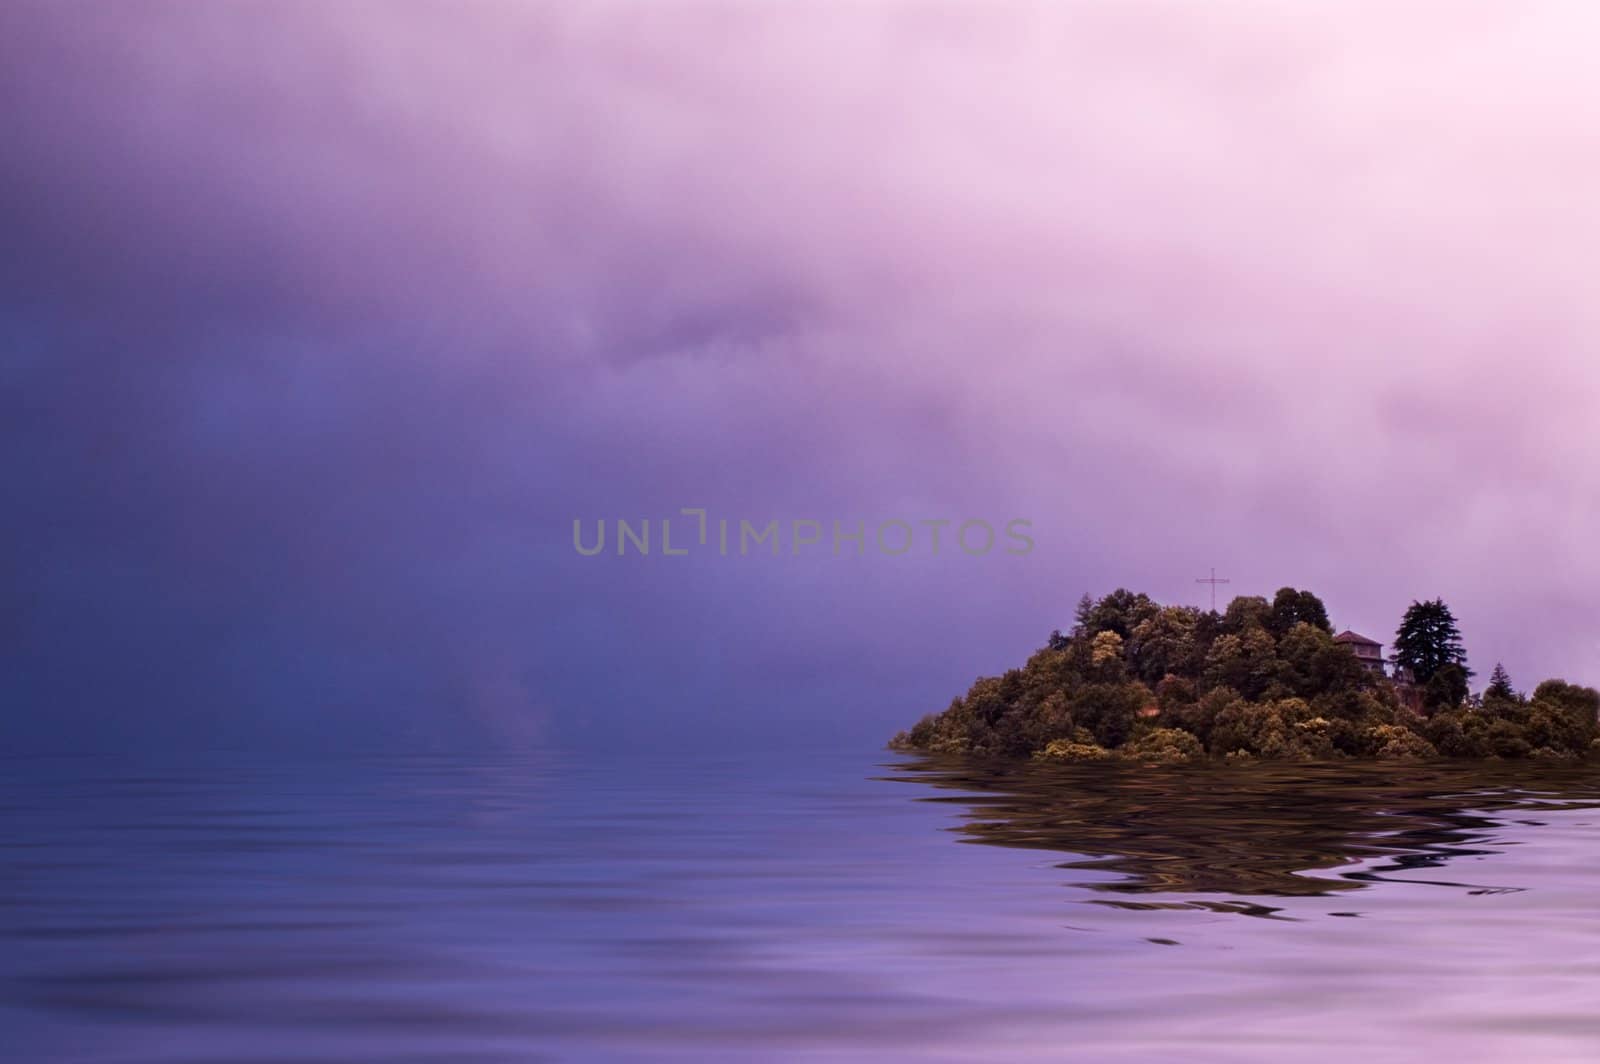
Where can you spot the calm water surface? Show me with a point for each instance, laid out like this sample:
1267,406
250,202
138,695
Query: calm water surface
794,906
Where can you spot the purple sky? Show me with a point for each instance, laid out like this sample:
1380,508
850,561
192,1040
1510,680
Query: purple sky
323,321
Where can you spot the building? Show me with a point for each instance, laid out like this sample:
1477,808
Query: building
1367,651
1406,689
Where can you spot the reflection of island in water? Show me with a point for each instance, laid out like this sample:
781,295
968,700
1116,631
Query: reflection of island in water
1284,830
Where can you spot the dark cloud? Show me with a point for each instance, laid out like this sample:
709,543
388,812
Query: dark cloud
322,322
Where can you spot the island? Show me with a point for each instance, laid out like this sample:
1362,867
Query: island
1263,680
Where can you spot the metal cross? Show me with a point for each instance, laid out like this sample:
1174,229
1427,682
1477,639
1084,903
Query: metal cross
1213,581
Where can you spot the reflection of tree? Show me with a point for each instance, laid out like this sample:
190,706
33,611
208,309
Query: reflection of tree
1273,829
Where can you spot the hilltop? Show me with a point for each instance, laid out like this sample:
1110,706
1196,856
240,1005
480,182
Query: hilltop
1137,680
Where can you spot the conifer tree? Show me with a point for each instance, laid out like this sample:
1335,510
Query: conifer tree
1428,640
1500,684
1085,614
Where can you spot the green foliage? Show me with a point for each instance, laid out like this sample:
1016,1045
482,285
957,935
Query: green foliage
1393,742
1164,746
1079,749
1428,640
1286,729
1446,689
1108,710
1500,685
1582,702
1136,680
1311,663
1121,612
1163,643
1199,718
1291,607
1175,694
1246,612
1084,616
1246,661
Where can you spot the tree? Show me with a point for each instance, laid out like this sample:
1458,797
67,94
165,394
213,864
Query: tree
1446,688
1109,710
1428,640
1106,649
1247,663
1120,612
1311,663
1500,685
1239,689
1291,607
1106,662
1579,704
1163,643
1246,612
1084,616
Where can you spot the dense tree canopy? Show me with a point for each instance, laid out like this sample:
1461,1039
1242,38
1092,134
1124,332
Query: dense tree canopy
1135,679
1291,607
1445,688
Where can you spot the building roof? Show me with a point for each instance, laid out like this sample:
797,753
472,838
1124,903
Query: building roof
1347,636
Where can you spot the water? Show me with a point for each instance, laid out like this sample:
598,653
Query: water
795,907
